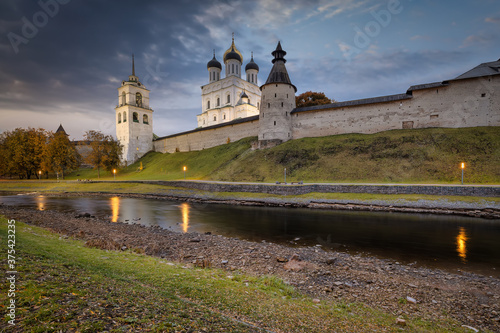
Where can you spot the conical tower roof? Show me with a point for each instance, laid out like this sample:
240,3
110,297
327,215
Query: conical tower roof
279,73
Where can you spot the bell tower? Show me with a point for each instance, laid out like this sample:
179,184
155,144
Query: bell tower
134,119
278,100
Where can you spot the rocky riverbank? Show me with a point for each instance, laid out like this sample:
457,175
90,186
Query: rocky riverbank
404,290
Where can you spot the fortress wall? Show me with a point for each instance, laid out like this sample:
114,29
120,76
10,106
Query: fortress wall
462,103
208,138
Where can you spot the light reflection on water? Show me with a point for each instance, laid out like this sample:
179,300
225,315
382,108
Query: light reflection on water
185,216
462,244
439,241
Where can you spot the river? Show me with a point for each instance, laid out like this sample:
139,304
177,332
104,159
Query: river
437,241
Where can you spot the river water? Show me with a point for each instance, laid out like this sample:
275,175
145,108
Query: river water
438,241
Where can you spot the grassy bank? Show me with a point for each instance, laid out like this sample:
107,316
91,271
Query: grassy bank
406,156
63,285
161,190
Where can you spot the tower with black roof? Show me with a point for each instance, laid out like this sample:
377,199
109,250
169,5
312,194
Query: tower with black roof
278,100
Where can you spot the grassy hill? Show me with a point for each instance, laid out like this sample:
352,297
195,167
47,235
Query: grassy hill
414,156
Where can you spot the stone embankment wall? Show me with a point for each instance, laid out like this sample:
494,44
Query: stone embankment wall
290,189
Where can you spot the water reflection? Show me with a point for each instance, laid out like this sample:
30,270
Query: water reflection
185,216
40,202
115,208
462,245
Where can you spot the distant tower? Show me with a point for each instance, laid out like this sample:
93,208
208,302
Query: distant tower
278,100
214,68
233,60
134,119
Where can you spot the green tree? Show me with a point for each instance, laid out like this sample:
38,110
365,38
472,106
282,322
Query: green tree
105,151
60,154
311,98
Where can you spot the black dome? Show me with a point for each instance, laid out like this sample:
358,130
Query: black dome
252,65
232,55
214,63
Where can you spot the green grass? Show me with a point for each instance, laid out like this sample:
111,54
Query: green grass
430,155
63,285
154,189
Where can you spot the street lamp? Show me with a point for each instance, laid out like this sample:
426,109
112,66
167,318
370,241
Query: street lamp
463,167
40,174
184,168
114,174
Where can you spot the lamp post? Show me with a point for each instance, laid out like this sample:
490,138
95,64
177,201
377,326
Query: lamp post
40,174
463,167
114,174
184,168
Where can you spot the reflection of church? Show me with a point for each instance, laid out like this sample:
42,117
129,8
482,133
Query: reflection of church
229,98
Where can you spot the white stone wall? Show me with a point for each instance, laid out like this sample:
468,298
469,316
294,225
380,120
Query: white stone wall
208,138
278,100
463,103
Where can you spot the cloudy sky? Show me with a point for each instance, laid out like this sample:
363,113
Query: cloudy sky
61,61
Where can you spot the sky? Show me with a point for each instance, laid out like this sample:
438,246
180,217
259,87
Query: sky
61,61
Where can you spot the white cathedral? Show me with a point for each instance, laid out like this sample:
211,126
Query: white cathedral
231,97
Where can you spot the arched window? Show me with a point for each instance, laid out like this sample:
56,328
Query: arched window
208,105
119,118
124,117
229,98
138,99
145,119
135,117
232,68
218,101
215,118
124,98
224,116
203,121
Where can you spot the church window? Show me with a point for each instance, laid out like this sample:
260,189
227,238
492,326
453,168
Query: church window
232,68
124,100
218,101
124,117
275,123
145,119
268,105
275,95
218,76
224,116
203,121
236,69
135,117
215,118
208,105
119,118
229,98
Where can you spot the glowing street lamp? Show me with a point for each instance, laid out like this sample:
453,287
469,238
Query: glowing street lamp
184,168
40,174
114,174
463,167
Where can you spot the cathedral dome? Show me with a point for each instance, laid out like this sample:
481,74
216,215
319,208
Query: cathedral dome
233,53
252,65
214,63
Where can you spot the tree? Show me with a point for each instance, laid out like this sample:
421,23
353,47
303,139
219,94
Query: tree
60,154
105,151
23,151
311,98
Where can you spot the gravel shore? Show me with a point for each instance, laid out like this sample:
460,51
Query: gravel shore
402,290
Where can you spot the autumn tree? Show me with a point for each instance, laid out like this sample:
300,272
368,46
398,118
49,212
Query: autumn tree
311,98
23,151
60,154
105,151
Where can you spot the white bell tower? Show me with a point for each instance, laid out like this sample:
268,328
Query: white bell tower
134,119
